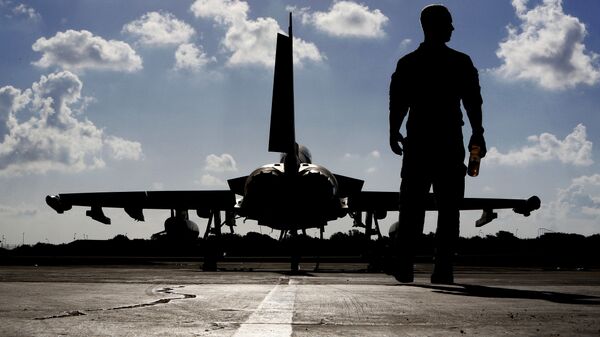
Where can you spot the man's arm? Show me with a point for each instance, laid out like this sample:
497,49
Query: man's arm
472,102
398,111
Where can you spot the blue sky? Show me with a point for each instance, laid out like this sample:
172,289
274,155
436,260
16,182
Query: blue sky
102,96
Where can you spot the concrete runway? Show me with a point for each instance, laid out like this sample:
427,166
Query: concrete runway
181,300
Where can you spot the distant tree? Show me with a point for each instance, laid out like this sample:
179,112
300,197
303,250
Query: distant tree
355,233
254,236
120,237
352,234
504,235
338,236
231,236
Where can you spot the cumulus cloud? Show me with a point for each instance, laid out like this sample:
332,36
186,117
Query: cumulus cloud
373,155
547,48
18,211
26,11
10,9
122,149
11,101
405,43
250,42
157,186
41,133
222,11
369,162
222,163
576,207
81,50
210,180
348,19
573,209
159,29
190,57
216,163
575,149
581,198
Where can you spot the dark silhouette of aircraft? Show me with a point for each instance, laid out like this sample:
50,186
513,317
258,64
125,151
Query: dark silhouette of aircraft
292,195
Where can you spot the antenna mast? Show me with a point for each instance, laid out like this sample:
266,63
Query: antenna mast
290,26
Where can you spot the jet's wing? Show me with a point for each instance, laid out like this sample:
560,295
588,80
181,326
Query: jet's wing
135,202
380,202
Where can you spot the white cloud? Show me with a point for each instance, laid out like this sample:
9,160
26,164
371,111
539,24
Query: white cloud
368,163
488,189
52,138
250,42
157,186
209,180
18,211
122,149
581,198
215,163
24,10
190,57
575,149
520,5
547,48
574,209
348,19
159,29
371,156
405,43
222,163
11,101
81,50
304,50
222,11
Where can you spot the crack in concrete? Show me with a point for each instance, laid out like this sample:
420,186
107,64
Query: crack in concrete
66,314
161,301
165,290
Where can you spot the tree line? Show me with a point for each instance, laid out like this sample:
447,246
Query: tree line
551,250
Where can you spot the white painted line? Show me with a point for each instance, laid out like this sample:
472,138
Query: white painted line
273,317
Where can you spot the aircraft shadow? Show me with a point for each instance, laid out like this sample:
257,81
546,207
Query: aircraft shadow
497,292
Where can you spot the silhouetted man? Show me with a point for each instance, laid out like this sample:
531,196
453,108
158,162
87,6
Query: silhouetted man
428,86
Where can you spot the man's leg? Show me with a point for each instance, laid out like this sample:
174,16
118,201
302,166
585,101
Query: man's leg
413,193
449,193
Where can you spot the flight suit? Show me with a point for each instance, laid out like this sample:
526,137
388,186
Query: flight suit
429,85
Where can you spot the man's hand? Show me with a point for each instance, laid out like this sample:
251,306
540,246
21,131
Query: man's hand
477,139
396,140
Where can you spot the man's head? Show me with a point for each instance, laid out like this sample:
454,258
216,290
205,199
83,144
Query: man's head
437,23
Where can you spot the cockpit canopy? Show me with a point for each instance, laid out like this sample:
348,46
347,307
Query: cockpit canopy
303,155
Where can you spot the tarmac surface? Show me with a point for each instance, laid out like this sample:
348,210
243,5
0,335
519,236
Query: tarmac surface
182,300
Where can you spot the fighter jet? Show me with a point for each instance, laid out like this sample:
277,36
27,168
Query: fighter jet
291,195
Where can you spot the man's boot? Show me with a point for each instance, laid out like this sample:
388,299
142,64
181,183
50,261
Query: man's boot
404,272
443,272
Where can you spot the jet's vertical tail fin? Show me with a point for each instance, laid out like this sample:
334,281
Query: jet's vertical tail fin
282,137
